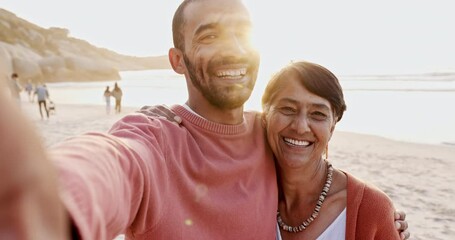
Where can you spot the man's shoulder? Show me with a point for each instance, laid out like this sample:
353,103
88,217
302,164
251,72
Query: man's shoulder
139,125
252,113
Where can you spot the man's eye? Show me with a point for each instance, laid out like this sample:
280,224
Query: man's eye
209,37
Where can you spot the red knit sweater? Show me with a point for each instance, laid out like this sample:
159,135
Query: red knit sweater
155,180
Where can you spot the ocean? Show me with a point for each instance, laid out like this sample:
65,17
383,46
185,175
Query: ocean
412,108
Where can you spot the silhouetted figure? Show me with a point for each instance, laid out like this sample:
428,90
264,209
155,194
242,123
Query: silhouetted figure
43,94
107,97
29,90
15,87
117,94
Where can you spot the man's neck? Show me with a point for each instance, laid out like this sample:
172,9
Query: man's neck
214,114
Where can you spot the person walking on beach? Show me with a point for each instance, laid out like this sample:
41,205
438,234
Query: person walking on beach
117,94
15,87
107,98
213,177
29,90
43,95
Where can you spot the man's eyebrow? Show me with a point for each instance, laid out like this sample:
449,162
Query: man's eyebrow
205,27
244,25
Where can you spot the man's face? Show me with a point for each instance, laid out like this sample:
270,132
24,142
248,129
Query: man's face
219,58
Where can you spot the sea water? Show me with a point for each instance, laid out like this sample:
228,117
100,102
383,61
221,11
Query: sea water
408,108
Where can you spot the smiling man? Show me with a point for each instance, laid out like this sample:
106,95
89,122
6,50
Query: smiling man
213,177
213,51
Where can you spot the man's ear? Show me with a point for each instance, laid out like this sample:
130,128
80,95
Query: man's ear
176,60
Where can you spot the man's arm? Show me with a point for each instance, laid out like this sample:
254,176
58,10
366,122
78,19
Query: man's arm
30,207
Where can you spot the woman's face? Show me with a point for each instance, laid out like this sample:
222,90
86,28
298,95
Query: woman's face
299,124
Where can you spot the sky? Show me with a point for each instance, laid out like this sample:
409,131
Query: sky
348,37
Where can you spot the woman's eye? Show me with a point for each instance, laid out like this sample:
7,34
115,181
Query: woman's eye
287,110
319,115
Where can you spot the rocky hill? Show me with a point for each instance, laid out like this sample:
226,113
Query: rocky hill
50,55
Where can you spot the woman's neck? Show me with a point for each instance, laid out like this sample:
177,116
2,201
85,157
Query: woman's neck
302,187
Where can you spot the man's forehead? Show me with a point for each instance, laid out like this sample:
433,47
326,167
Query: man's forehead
215,11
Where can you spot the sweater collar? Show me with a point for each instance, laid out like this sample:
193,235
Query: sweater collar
201,122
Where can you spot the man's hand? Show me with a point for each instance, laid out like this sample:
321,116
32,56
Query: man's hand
30,207
401,224
161,111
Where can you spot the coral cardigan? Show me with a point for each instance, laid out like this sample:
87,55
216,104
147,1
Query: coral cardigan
370,212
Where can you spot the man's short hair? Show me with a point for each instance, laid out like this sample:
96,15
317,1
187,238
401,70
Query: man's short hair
178,23
14,75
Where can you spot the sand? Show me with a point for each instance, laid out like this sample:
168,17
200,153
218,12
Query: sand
419,178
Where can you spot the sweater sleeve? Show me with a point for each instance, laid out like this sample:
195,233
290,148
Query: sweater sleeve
109,181
376,216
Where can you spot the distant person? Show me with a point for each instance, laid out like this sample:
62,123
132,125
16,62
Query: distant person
107,97
15,87
29,90
43,94
117,94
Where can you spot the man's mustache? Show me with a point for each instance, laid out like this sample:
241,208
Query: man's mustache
231,61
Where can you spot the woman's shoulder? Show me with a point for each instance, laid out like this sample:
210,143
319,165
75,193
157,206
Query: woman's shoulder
368,198
370,212
368,191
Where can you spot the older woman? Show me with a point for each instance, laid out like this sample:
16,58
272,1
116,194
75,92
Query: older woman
302,104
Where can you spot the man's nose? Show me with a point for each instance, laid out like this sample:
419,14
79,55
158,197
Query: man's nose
237,44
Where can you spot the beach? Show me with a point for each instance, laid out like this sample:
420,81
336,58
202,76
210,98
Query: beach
419,178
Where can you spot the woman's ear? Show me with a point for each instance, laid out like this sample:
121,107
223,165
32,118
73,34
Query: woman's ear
176,60
332,129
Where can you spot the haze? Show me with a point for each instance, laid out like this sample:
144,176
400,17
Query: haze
349,37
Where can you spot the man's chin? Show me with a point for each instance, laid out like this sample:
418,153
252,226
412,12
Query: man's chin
235,102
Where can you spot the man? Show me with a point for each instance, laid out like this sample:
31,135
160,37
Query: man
42,95
213,177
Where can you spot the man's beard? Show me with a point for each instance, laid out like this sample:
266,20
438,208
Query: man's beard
221,97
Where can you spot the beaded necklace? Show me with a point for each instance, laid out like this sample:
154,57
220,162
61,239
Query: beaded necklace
316,210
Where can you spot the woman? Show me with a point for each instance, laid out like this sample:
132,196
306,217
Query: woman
302,104
107,98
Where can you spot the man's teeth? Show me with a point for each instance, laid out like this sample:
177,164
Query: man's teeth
296,142
232,73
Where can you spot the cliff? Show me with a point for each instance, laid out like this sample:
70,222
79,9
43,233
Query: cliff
50,55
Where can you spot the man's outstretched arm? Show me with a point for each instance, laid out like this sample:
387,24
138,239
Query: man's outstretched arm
30,207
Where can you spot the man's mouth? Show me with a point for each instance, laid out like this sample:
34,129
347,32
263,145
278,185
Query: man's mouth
231,73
